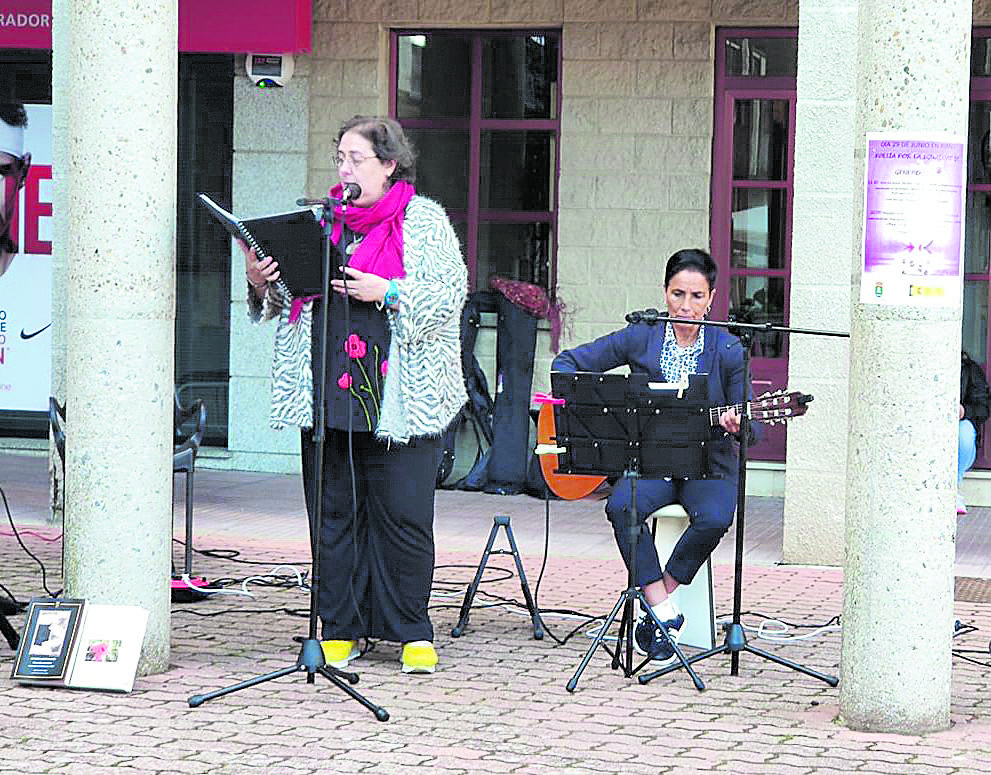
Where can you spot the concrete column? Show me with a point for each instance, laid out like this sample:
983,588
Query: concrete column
904,383
121,183
822,242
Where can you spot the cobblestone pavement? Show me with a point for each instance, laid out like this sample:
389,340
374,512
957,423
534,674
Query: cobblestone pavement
498,702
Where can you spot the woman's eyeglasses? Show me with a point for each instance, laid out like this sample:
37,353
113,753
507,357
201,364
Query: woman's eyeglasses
355,159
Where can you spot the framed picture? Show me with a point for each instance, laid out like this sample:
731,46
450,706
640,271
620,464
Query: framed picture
50,630
108,647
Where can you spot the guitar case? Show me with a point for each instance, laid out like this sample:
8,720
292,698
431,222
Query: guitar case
502,423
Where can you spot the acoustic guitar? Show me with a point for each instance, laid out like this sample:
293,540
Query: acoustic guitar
770,408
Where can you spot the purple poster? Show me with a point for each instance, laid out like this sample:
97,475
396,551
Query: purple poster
913,219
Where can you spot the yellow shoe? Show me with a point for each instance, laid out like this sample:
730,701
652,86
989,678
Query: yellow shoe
419,657
337,653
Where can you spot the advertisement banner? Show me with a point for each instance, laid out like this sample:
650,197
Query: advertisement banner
915,188
26,286
234,26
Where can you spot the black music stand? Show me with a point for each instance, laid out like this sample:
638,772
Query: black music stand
736,639
614,424
310,658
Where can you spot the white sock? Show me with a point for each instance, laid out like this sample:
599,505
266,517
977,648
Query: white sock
665,610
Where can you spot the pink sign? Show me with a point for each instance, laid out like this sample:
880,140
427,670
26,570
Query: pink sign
232,26
26,24
914,218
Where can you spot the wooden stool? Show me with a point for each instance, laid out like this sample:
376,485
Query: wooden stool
695,599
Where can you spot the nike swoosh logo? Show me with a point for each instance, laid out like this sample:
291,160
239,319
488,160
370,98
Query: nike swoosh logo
33,333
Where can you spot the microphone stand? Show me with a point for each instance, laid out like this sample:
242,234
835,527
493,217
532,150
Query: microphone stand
311,659
736,639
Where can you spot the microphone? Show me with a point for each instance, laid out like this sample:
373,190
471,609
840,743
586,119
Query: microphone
649,316
349,192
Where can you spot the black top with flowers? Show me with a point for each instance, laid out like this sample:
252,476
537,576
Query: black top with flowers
357,361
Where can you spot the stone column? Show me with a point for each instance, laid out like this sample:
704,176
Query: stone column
822,242
121,188
904,384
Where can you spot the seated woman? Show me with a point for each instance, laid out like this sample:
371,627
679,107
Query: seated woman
666,353
975,405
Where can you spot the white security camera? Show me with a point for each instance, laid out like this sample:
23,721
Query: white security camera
269,70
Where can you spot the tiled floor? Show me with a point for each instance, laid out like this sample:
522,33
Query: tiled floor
271,506
498,702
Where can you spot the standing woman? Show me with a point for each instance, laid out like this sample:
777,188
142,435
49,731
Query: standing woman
394,383
666,353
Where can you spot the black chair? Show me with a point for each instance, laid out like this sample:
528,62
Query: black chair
184,462
187,446
56,419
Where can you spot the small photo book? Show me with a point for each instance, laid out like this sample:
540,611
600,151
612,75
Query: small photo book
80,645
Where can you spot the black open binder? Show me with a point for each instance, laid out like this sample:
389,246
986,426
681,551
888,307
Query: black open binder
292,239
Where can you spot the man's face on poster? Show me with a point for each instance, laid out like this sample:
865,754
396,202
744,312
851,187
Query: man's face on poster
13,173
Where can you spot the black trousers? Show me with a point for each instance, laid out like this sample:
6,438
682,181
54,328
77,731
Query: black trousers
376,551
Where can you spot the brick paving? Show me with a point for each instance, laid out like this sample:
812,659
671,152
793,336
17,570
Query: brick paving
497,703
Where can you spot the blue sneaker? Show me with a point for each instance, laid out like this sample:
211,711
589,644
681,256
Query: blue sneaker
648,640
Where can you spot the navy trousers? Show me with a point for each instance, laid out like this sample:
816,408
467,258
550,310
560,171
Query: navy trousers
710,504
375,571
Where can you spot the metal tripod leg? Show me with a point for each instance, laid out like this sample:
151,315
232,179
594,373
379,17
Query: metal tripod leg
311,660
736,641
626,599
497,522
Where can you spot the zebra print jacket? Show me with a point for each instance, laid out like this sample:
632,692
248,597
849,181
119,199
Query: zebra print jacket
424,387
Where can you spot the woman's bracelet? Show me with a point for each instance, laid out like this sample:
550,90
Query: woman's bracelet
256,287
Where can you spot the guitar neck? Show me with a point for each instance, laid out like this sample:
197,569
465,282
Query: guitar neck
715,411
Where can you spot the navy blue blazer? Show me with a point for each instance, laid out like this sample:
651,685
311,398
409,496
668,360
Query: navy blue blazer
638,346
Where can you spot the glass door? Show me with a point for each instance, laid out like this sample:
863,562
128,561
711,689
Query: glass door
753,152
977,245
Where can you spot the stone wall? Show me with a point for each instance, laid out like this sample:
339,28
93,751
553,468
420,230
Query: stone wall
636,135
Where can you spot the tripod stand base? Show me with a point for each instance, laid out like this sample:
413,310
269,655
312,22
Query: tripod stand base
736,641
311,661
499,522
625,640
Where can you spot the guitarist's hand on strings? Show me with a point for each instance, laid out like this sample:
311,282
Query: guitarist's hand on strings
730,421
258,272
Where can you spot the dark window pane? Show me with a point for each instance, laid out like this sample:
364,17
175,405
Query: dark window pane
978,233
461,230
980,57
517,170
26,76
433,76
760,140
979,139
442,165
516,250
203,251
762,56
760,300
975,318
519,77
757,228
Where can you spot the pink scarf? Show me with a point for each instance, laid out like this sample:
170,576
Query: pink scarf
381,251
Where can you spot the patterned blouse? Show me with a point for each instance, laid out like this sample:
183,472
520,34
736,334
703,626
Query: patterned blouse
357,356
677,360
